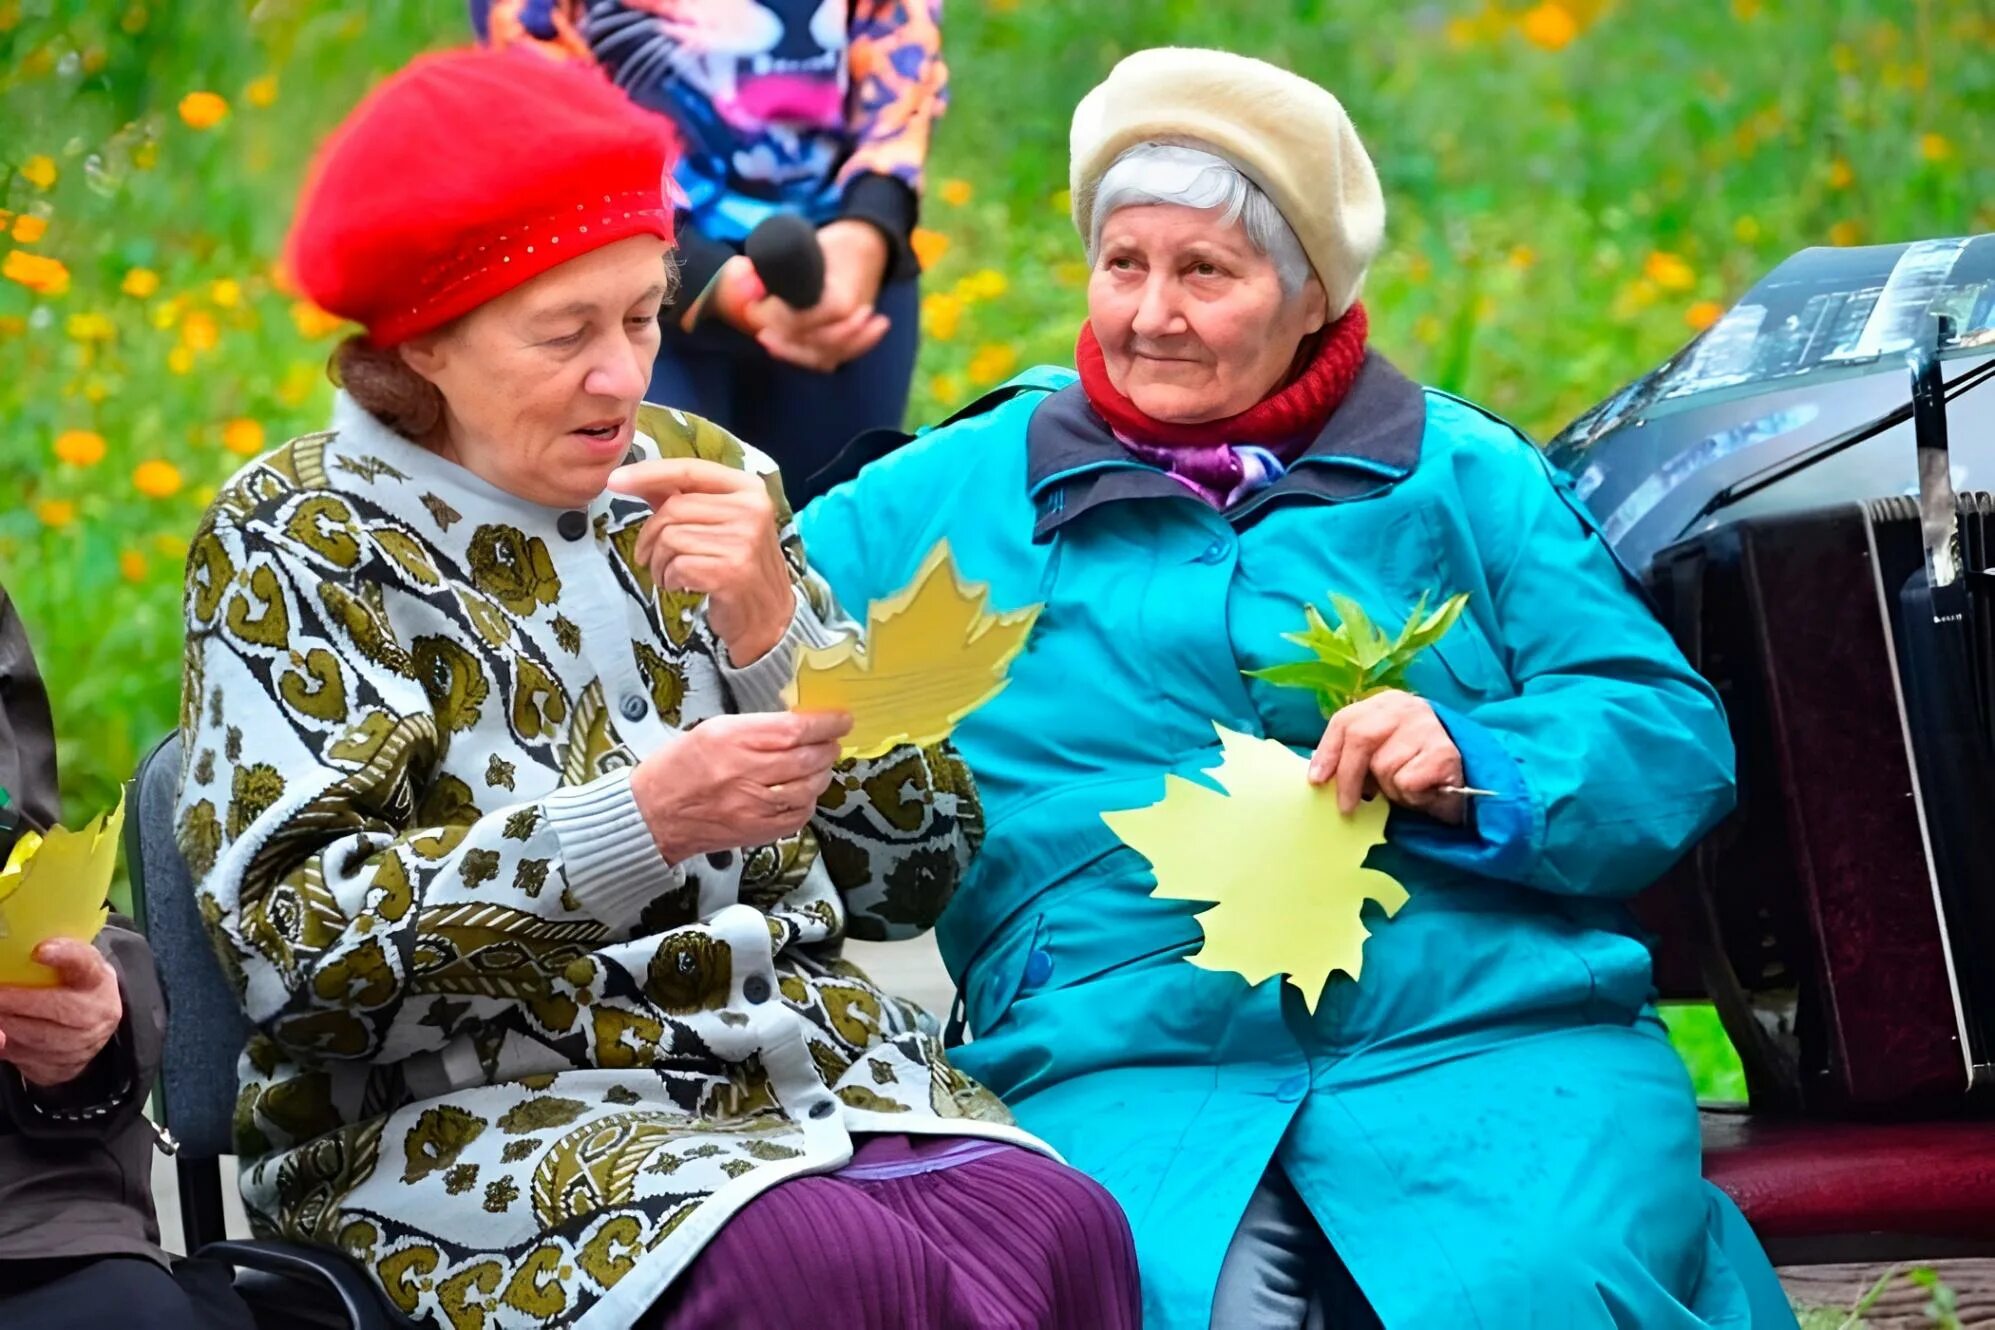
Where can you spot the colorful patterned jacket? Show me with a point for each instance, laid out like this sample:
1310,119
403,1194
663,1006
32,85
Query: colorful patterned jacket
508,1058
822,107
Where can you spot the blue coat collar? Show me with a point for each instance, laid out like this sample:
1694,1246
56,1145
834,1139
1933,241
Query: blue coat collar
1370,443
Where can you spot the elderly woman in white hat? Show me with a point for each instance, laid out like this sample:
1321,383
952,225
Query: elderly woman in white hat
1488,1128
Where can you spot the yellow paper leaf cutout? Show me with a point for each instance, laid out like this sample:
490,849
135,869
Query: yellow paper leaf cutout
933,653
55,886
1284,869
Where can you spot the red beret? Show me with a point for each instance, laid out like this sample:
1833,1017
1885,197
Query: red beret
466,174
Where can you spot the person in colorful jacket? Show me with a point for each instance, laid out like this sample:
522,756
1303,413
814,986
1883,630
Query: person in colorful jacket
821,108
532,891
1489,1128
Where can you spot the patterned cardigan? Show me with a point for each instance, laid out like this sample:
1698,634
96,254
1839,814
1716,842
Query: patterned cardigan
516,1065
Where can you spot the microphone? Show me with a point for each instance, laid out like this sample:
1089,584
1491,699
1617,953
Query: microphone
784,249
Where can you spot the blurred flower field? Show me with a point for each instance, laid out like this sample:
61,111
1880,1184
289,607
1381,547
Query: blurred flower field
1575,188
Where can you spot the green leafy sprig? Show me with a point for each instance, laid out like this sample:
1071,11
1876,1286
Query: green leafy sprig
1355,659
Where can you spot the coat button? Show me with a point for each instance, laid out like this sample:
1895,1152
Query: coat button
823,1109
755,989
633,706
1292,1089
1038,968
721,859
1213,553
573,524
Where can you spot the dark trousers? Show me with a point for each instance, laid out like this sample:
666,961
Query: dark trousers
798,416
119,1293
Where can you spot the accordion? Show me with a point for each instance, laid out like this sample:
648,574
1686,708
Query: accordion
1842,919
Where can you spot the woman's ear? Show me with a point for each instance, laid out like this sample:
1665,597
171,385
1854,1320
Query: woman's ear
425,354
1316,306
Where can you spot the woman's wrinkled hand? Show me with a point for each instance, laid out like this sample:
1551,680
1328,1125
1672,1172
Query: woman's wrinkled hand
737,781
51,1034
1393,744
713,531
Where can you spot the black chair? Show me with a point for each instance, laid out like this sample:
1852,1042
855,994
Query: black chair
285,1283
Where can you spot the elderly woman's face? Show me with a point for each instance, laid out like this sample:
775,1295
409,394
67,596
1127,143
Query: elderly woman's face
1191,317
541,386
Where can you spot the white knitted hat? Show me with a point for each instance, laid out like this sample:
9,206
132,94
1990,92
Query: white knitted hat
1288,136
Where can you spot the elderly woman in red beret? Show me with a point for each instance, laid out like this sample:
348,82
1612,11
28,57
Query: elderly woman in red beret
532,890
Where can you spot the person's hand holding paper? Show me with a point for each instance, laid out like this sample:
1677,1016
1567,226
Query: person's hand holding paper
59,999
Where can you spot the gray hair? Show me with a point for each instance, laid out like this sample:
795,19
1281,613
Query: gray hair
1192,177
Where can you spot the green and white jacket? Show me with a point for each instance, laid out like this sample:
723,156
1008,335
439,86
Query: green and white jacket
505,1056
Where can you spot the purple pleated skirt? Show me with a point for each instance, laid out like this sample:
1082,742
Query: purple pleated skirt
918,1233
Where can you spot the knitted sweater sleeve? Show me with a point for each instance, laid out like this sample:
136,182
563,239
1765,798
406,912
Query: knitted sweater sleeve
339,880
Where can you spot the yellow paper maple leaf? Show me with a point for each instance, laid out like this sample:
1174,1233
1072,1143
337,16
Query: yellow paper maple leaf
54,886
1284,869
932,655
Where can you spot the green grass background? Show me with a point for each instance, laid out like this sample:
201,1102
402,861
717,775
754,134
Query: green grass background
1573,189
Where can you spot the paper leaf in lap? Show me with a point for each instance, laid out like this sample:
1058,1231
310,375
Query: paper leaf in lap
1284,869
55,886
933,654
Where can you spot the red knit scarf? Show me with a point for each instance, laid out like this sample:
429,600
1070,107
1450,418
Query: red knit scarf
1284,422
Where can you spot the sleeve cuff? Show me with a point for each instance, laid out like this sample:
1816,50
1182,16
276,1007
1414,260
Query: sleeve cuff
760,685
1500,839
889,204
608,855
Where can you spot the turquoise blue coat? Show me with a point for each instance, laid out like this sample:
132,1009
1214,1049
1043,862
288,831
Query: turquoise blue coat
1491,1127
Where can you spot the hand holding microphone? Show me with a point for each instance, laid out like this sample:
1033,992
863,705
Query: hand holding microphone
820,285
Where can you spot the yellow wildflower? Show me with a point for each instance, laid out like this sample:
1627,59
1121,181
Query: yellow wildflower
203,495
1843,57
94,60
134,20
180,360
40,274
991,363
55,513
1523,258
79,447
955,193
940,313
1669,271
1462,33
1745,11
1841,176
203,110
261,92
39,171
28,229
1427,328
91,327
1932,147
140,282
243,437
1703,314
170,546
132,566
929,246
943,388
299,380
1746,229
314,322
227,292
166,313
199,331
1845,232
156,479
1549,25
984,284
1063,201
